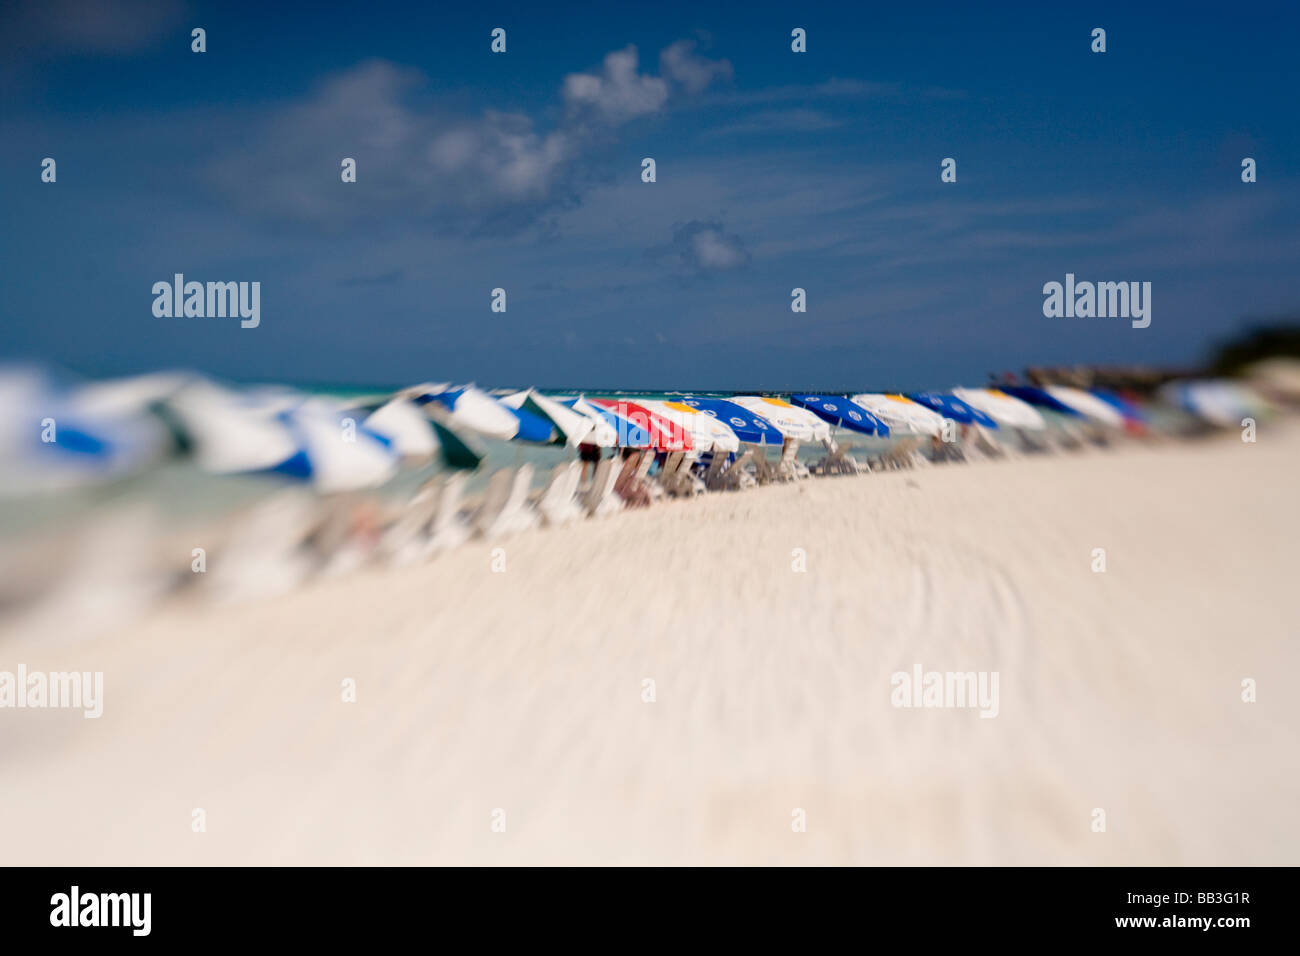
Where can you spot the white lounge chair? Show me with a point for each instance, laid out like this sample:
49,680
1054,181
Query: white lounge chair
763,470
558,504
736,476
837,461
406,540
631,483
789,467
266,553
905,453
688,483
985,443
448,529
667,477
675,476
601,498
513,513
714,470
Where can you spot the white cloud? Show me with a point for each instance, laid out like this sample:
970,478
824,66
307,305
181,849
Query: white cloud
780,121
496,172
618,93
693,73
703,246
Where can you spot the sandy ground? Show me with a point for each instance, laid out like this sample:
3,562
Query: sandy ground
523,691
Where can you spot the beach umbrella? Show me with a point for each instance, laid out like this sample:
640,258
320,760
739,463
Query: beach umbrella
53,438
276,431
1217,401
707,433
1087,405
901,414
665,435
136,395
229,433
838,410
1003,408
419,433
795,423
627,434
339,453
571,428
950,406
1040,399
604,431
1129,409
750,428
1135,419
474,409
408,429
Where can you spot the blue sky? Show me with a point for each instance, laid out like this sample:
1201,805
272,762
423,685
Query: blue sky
522,171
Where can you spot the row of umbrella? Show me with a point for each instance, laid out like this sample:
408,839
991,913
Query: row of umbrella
65,437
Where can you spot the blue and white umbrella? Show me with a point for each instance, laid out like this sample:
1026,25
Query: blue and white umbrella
1217,401
474,409
1003,408
794,423
339,452
1121,404
408,429
950,406
279,432
840,411
750,427
570,427
1088,405
625,432
901,414
1039,398
51,439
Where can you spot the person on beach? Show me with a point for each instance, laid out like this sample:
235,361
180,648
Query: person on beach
589,455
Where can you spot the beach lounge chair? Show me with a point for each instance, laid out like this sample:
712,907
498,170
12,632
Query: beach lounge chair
601,498
986,444
837,461
1033,441
558,504
905,453
676,478
110,577
406,540
512,514
713,469
764,471
631,484
266,553
789,467
653,489
448,529
737,476
493,501
688,483
667,476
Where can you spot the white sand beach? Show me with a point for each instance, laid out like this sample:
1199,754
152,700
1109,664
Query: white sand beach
523,690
